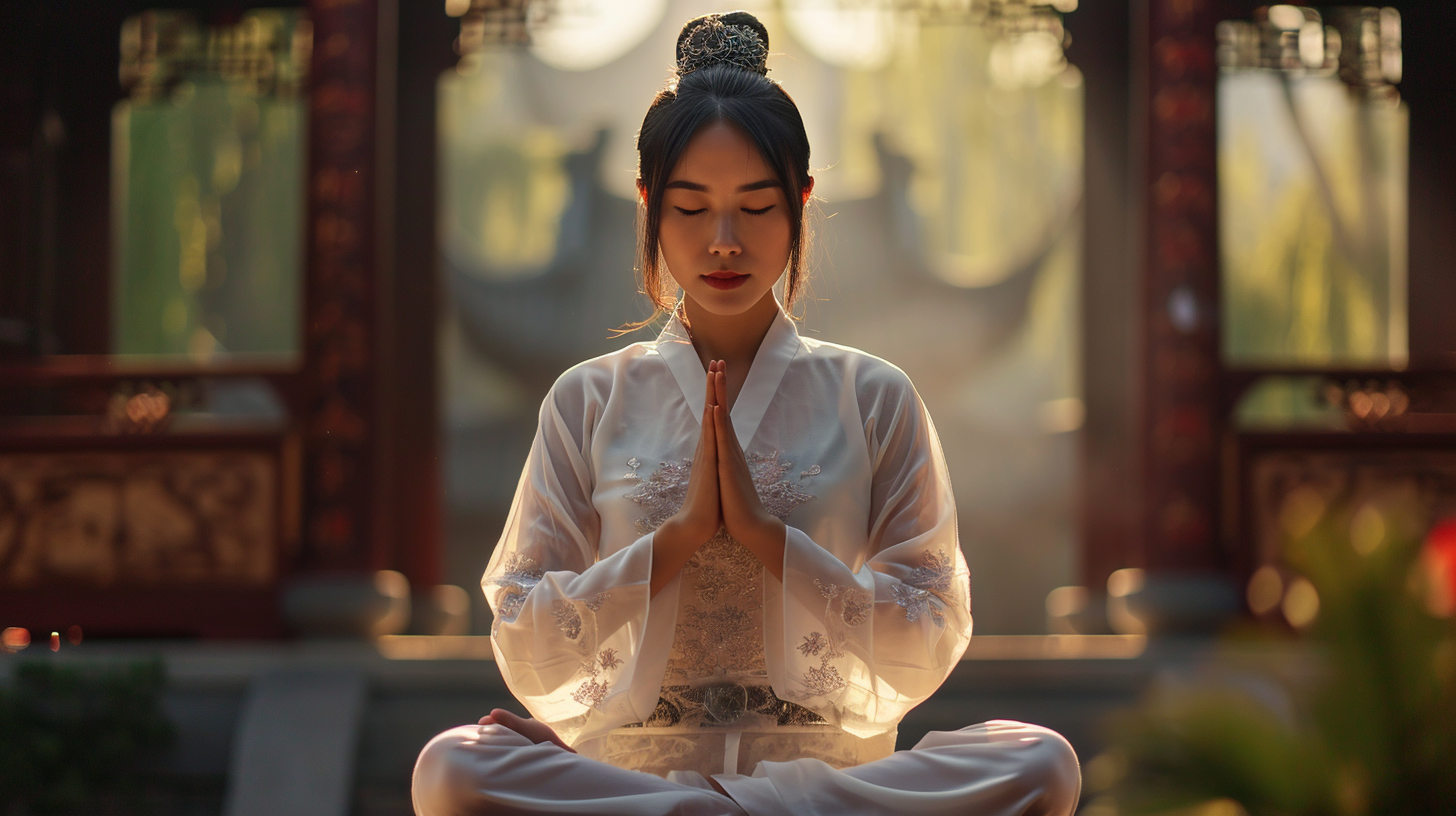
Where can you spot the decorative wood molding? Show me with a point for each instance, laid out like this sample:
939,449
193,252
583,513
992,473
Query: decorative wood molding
1181,422
341,411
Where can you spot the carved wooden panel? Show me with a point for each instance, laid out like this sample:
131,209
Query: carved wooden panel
1418,478
137,518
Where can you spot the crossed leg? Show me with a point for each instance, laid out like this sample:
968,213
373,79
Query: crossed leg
998,768
476,770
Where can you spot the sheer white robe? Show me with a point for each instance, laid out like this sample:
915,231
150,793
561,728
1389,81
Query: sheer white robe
727,667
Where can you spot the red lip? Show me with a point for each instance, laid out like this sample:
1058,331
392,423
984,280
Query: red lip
724,279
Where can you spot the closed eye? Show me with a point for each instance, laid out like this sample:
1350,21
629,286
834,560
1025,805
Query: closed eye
691,212
758,212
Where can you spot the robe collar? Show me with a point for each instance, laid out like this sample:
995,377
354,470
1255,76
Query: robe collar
770,363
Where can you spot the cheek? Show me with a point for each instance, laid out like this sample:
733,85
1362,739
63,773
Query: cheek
673,237
776,236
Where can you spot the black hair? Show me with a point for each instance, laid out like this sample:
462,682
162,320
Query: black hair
720,92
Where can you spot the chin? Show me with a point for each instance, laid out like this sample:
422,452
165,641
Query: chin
727,304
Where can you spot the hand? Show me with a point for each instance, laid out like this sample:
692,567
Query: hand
533,730
744,515
700,515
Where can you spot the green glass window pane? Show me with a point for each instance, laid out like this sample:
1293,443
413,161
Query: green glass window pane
208,210
1312,197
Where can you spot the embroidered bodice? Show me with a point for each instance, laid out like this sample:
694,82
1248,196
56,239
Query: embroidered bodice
726,665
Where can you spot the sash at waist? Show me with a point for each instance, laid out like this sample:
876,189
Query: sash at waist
726,704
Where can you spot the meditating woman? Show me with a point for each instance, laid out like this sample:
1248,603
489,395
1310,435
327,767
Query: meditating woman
731,565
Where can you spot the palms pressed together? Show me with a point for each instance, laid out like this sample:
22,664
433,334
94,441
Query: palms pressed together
720,494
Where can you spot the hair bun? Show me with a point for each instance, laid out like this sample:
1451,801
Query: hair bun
735,38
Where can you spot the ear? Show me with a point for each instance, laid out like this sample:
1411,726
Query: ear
808,190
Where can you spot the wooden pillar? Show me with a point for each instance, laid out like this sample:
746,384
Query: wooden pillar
1179,427
341,418
1111,283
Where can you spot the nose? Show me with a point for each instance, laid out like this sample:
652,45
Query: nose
725,239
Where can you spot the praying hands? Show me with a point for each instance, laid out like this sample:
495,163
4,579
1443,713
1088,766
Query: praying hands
720,494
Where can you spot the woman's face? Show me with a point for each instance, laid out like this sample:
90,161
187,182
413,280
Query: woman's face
725,228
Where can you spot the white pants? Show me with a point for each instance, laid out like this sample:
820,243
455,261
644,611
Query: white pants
997,768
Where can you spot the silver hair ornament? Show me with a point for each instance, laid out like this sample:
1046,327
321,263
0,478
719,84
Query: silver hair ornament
713,41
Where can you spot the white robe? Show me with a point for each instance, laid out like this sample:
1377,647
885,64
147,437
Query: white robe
727,667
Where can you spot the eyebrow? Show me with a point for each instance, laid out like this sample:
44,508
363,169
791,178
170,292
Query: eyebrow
703,188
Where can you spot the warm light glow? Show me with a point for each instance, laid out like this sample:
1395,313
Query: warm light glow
1289,18
457,8
1028,61
73,634
1266,588
984,647
1367,530
1125,582
14,639
1066,601
1104,771
1438,563
587,34
1062,415
55,641
862,38
1301,603
1302,510
1120,585
1219,807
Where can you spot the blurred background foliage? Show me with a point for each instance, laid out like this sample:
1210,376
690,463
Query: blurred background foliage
1365,725
73,738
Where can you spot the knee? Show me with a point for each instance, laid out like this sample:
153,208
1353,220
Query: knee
450,774
1050,771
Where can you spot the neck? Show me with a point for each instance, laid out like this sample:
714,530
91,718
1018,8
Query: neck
733,338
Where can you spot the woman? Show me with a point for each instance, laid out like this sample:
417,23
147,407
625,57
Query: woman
731,566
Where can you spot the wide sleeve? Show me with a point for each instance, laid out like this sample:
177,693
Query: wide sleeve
864,643
569,629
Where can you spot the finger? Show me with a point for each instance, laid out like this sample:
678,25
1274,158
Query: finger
718,424
712,397
723,447
710,434
727,440
720,385
708,442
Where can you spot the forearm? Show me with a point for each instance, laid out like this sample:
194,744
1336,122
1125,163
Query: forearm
672,547
766,542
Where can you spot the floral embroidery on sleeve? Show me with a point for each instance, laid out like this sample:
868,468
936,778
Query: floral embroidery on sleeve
661,494
854,604
813,644
520,576
608,659
590,693
923,593
593,690
567,619
822,680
